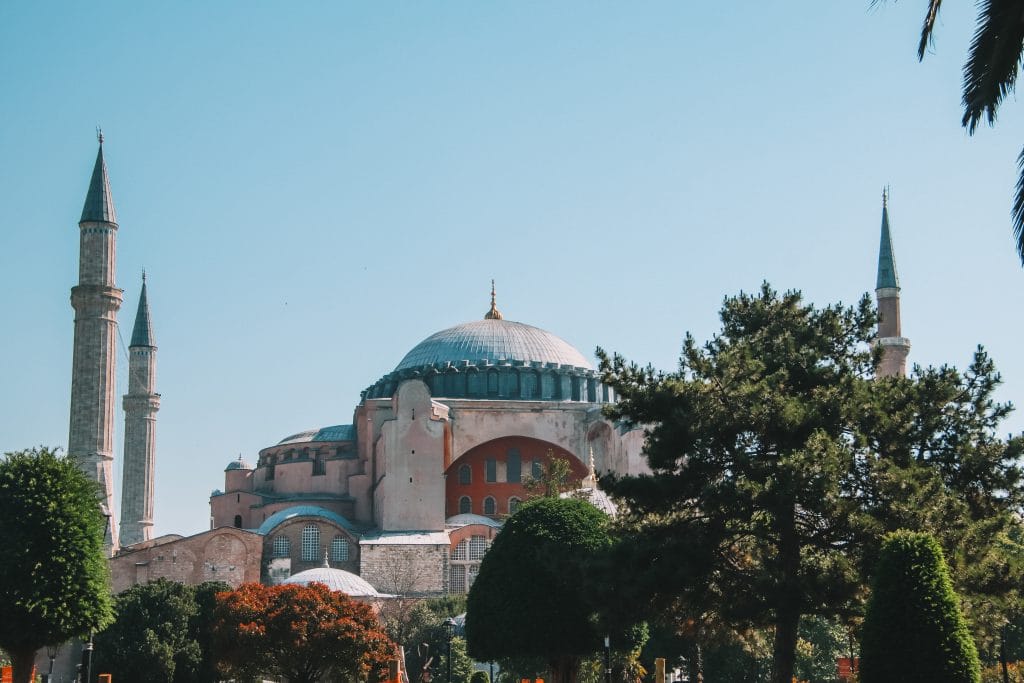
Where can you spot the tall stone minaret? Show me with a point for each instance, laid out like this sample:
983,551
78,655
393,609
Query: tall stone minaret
96,301
140,406
895,347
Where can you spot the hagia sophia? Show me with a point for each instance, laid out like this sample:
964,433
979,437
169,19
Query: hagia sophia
402,499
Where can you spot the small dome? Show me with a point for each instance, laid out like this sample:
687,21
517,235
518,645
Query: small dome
337,580
493,340
238,465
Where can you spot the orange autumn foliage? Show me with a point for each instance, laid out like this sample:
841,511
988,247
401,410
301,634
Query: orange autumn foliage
304,633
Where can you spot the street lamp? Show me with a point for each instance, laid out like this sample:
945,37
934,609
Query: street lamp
87,648
51,652
449,631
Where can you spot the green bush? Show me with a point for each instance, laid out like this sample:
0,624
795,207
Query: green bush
914,629
479,677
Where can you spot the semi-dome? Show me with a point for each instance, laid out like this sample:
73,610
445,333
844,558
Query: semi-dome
494,341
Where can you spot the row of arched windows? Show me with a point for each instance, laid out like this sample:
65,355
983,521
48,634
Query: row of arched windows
311,546
490,505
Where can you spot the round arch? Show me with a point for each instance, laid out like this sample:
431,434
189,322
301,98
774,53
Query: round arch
499,468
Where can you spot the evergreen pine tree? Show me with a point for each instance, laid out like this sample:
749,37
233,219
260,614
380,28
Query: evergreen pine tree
914,629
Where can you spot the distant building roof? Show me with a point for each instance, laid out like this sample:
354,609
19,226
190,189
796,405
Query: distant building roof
465,519
282,516
333,433
405,538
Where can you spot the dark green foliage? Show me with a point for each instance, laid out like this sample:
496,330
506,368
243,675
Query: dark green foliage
55,581
779,462
527,599
161,633
424,637
914,630
479,677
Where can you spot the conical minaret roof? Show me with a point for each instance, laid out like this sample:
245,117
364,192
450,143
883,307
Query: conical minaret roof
99,202
887,278
142,333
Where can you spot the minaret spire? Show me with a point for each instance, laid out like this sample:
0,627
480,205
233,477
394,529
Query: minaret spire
96,300
141,404
494,313
895,347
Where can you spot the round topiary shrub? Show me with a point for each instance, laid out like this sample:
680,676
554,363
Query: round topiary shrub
479,677
914,629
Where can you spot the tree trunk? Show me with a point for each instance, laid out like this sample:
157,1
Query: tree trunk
1002,655
566,669
788,608
21,665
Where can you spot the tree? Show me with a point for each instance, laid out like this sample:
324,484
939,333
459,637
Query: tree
914,629
161,633
779,461
304,633
56,582
528,598
425,640
990,73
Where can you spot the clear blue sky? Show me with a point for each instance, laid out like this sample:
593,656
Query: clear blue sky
315,187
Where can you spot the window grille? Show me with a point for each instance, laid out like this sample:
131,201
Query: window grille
310,543
282,547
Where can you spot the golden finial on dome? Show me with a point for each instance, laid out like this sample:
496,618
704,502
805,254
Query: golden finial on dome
590,481
494,313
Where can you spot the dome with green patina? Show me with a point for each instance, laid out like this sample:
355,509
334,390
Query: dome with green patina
498,359
494,341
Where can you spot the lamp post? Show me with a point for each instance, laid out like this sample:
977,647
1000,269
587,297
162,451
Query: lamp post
87,648
449,631
607,659
51,652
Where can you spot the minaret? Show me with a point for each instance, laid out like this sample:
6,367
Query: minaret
895,347
96,301
140,406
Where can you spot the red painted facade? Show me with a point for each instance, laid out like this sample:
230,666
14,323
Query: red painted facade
502,454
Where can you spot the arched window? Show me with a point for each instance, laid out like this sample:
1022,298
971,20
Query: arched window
489,507
513,505
459,552
310,543
477,547
238,521
339,550
465,505
282,547
465,474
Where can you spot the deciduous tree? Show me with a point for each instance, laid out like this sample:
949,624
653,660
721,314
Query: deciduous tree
305,633
161,633
528,599
55,582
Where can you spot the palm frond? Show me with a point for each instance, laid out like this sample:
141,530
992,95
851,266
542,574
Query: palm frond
992,64
1018,209
928,27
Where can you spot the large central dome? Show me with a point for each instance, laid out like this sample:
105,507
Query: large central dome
493,340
